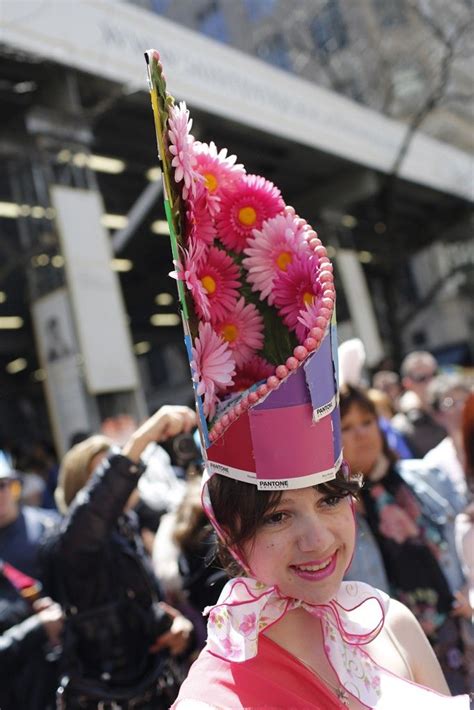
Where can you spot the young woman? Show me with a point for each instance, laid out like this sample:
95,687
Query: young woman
291,633
257,297
413,527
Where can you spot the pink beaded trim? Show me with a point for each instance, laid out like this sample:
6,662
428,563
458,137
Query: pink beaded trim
300,353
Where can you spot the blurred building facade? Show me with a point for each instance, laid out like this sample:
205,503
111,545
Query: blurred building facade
389,56
359,112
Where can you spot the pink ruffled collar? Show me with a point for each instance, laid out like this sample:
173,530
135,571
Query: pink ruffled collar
247,607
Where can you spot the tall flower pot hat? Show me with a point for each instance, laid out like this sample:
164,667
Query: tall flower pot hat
257,299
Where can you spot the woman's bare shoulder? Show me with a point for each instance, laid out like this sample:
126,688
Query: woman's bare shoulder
415,647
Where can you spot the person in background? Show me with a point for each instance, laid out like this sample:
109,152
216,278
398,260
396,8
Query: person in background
184,559
406,518
39,459
22,528
464,531
447,395
415,420
162,485
386,412
388,381
30,631
32,490
117,629
77,467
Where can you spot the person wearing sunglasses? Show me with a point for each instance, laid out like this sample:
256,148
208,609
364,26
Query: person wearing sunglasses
415,421
22,527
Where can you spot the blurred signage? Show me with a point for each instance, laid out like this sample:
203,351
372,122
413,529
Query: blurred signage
96,298
59,357
107,38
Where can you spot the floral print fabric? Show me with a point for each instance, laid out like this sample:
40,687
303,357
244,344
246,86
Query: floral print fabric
247,607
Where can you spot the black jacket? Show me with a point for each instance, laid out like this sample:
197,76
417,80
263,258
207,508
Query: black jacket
27,678
97,569
18,644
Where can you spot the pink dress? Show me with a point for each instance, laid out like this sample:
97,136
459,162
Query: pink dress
241,668
272,679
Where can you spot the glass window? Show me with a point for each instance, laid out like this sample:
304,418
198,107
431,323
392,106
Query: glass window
160,6
211,22
259,9
274,51
390,14
328,28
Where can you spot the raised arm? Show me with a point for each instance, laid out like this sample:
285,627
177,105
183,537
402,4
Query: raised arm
97,507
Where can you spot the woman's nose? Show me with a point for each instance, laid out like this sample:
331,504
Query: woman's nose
361,430
315,536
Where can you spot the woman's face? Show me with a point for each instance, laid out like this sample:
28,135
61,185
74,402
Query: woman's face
361,439
305,545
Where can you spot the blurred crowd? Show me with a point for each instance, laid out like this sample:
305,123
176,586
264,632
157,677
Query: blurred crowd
107,559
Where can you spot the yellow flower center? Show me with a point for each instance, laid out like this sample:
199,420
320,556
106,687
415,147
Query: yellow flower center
211,181
308,298
209,283
247,216
229,332
283,260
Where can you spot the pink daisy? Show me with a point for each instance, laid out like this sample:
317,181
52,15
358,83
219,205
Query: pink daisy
213,366
242,329
294,289
271,249
307,319
193,258
181,148
199,223
244,207
254,370
219,276
217,168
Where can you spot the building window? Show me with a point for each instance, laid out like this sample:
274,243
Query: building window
274,51
259,9
211,22
160,6
389,13
328,28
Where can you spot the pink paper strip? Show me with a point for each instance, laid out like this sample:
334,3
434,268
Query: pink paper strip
272,433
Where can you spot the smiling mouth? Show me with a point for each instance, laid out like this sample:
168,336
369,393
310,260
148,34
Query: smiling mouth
315,572
313,568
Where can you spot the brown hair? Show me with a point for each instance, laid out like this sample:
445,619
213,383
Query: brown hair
192,525
75,469
350,396
382,402
240,509
468,440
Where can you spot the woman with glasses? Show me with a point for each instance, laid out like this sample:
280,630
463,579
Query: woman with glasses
415,420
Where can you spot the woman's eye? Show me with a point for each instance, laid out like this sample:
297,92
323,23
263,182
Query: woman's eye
332,501
275,518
